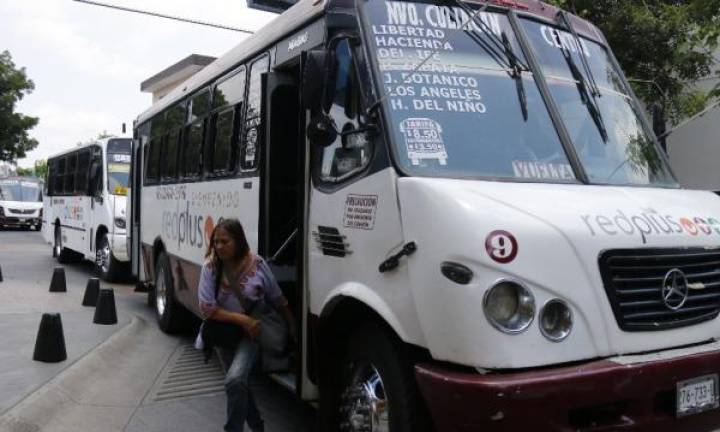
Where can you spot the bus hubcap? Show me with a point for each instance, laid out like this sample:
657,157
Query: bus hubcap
103,258
160,293
363,404
58,245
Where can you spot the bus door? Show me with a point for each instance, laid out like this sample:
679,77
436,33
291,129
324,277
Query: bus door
96,197
283,186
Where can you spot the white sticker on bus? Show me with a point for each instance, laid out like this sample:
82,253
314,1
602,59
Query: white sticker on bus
423,140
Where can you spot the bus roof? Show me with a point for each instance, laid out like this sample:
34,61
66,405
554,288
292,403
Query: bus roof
278,28
101,142
303,12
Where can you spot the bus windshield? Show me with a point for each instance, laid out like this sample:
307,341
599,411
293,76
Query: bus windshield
627,154
461,113
118,166
457,108
17,190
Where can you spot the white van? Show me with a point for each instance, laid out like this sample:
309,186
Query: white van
84,206
20,203
466,208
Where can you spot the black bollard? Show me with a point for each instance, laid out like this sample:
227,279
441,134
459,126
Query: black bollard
91,292
1,279
58,283
50,341
105,308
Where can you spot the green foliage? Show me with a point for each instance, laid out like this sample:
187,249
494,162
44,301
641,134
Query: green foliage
40,168
664,46
24,172
14,127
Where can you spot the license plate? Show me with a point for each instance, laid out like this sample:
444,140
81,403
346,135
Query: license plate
697,395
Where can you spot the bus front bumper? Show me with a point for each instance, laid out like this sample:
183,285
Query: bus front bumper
603,395
6,221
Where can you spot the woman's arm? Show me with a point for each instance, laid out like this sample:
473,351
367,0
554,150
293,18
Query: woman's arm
249,324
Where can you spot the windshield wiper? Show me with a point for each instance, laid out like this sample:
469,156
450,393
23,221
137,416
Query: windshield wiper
517,76
589,92
497,48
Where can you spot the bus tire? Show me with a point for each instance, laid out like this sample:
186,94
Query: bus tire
169,312
374,359
106,266
61,253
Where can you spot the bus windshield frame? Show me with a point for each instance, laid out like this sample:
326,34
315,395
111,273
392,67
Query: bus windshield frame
428,141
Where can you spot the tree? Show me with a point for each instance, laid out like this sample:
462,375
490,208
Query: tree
24,172
14,127
41,168
664,46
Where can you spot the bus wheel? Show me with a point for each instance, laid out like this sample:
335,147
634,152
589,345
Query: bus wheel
62,254
107,267
169,311
377,391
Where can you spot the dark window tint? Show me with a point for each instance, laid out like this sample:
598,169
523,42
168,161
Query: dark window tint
70,174
60,186
252,117
153,160
230,91
83,169
199,106
223,139
193,148
170,155
119,145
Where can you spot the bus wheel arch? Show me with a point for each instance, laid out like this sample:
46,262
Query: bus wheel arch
358,347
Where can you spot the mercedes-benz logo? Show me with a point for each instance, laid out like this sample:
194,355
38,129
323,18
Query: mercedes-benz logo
675,289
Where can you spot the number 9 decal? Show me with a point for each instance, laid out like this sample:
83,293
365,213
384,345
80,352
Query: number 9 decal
501,246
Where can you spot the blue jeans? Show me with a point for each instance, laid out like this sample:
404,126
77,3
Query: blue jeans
241,404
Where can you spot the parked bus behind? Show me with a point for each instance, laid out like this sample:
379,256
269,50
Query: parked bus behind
20,203
84,209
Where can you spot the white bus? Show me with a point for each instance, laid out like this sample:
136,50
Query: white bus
85,204
466,207
20,203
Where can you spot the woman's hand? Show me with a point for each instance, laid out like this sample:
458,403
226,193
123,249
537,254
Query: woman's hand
252,327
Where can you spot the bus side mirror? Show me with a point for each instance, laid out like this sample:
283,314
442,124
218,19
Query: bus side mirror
314,77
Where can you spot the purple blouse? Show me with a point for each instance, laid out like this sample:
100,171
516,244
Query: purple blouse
256,284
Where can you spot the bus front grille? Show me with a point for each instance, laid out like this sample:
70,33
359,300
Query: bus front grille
658,289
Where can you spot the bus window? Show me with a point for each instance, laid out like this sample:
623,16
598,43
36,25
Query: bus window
83,168
153,161
60,182
51,177
252,117
349,154
230,91
70,174
175,121
195,133
223,138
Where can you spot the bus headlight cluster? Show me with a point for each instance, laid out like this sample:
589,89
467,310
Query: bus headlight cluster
509,307
556,320
120,223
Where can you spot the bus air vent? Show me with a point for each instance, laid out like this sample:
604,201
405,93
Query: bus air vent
331,242
657,289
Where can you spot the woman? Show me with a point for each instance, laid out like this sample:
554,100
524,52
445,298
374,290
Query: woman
243,279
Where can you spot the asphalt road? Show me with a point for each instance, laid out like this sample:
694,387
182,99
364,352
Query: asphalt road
126,377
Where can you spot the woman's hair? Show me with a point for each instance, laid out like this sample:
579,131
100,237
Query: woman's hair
235,229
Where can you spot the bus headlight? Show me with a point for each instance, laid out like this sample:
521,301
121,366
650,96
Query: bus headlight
556,320
509,307
120,223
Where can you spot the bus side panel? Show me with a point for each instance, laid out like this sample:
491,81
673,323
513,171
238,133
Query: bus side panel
182,217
